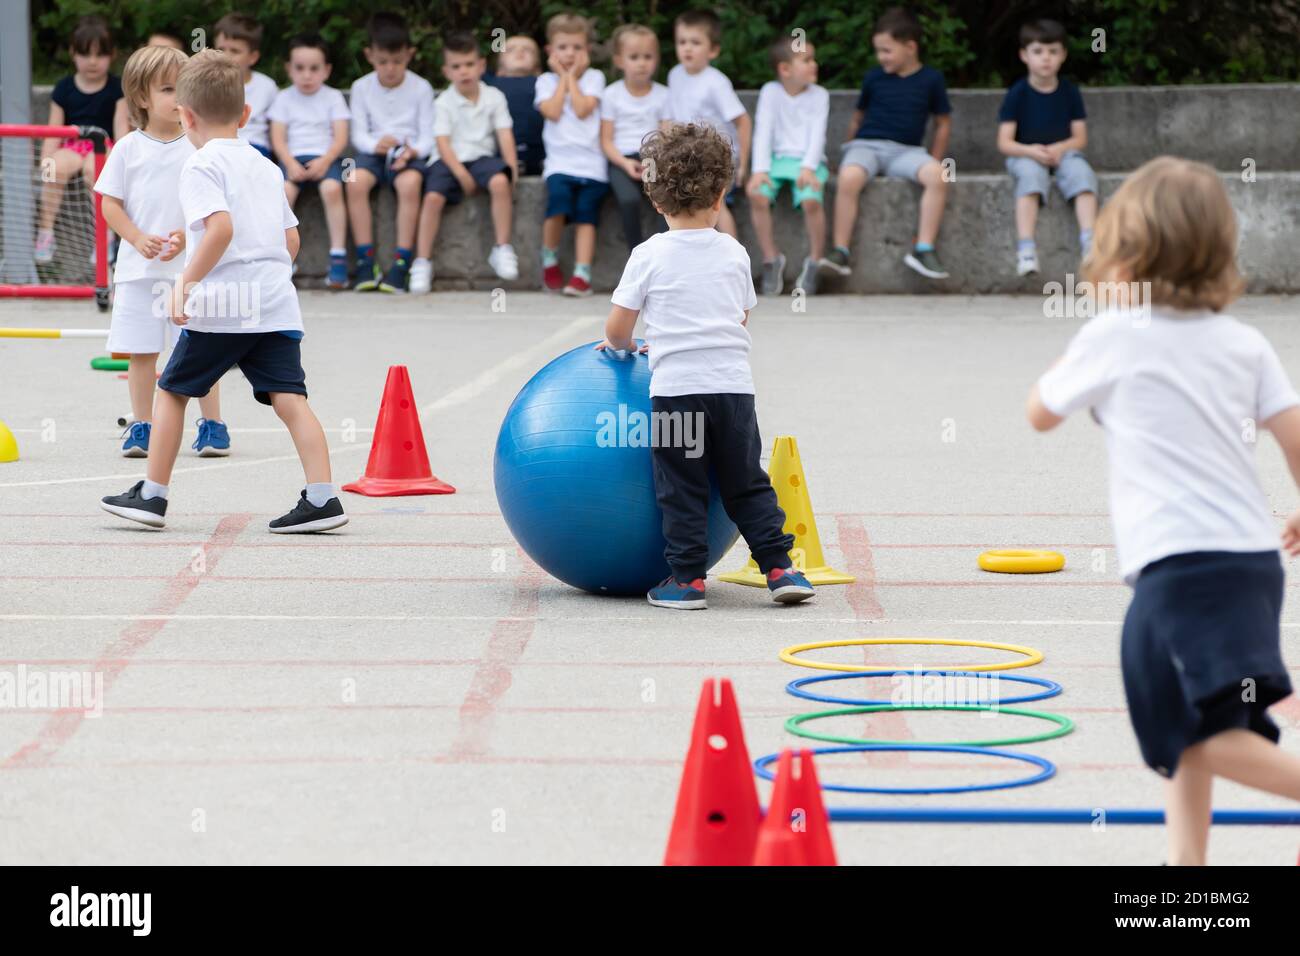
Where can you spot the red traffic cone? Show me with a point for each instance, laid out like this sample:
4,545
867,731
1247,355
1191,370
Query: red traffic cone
399,463
717,816
796,830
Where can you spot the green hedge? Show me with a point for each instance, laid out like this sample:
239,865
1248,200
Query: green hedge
972,41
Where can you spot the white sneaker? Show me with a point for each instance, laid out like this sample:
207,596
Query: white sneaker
421,277
1026,262
504,262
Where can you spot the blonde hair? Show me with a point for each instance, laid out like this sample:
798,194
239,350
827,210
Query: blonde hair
212,85
631,30
1172,225
148,65
568,23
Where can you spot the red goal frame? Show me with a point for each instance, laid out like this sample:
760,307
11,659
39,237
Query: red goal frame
99,291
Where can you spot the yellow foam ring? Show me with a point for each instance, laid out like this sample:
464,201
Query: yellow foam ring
1032,656
1012,561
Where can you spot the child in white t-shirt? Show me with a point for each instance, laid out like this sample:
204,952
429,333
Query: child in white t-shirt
309,131
240,38
790,150
701,93
576,172
693,288
141,204
629,110
1181,391
235,297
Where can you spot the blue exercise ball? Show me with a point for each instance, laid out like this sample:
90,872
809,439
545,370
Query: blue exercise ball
574,480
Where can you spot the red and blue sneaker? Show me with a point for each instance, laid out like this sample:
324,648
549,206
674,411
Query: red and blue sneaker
788,586
679,595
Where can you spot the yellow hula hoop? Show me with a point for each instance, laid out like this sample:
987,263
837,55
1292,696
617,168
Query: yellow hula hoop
1032,656
1012,561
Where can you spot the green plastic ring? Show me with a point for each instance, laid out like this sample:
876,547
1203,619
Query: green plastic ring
107,363
1064,725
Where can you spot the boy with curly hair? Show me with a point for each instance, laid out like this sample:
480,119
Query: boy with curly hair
692,285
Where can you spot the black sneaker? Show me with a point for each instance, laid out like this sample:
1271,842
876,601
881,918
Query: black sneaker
135,507
926,263
306,517
395,279
837,261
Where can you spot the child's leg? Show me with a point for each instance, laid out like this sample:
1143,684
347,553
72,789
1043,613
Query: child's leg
66,164
210,404
141,376
1187,809
933,200
502,207
814,220
307,434
553,232
627,193
1085,210
430,219
1027,216
760,216
681,478
407,186
358,192
727,222
848,190
584,243
1248,758
336,213
291,191
734,445
165,439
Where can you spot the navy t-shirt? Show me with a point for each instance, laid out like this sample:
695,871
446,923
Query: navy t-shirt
1041,117
88,109
899,107
527,120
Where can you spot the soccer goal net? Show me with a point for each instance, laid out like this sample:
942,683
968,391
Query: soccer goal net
53,239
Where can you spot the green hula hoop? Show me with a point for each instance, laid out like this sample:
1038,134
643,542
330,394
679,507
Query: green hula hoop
1063,725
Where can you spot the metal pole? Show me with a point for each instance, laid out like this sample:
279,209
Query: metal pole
17,260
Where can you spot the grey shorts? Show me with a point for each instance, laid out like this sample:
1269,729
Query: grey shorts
884,157
1073,176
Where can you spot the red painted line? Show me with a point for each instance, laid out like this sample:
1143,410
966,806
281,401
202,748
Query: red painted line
256,578
316,543
856,547
493,675
59,728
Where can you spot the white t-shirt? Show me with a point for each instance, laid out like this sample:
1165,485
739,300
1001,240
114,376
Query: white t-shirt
259,93
793,126
706,96
472,126
572,144
250,289
309,120
692,287
633,116
404,112
144,174
1180,398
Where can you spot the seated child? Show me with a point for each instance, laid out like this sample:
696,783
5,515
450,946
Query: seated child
693,287
576,171
392,133
1181,388
91,96
240,38
470,123
630,109
309,131
139,183
1042,132
898,97
518,65
790,150
235,297
701,93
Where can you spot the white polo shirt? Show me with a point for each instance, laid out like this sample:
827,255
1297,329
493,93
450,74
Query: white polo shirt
259,93
472,125
309,120
144,173
404,112
572,144
633,116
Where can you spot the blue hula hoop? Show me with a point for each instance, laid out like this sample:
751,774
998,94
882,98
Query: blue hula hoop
795,687
1046,771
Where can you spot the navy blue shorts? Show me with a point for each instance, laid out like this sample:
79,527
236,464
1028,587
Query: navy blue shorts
334,172
575,198
439,178
379,167
1202,651
271,361
265,151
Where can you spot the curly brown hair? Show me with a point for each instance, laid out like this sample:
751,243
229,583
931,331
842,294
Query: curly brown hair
687,167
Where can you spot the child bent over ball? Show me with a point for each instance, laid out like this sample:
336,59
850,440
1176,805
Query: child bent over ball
692,286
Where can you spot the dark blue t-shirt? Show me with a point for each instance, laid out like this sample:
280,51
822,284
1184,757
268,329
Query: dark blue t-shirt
1041,117
527,120
88,109
899,107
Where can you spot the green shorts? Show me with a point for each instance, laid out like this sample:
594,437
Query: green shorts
785,170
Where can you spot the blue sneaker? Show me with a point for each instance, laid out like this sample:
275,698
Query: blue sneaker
366,275
688,596
137,441
213,440
337,278
788,586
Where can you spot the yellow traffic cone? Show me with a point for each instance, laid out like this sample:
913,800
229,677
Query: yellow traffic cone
8,444
786,472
